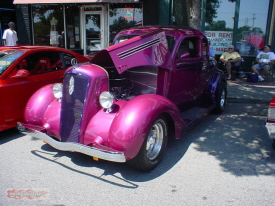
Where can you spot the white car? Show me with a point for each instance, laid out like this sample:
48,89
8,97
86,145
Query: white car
270,122
93,47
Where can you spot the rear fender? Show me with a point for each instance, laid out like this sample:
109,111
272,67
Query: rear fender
37,105
217,79
127,128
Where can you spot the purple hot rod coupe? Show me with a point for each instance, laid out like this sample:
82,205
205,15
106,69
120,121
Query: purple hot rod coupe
151,84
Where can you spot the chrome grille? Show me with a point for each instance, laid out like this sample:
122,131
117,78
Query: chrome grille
72,108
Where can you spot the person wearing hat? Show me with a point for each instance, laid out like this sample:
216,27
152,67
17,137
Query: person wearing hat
10,36
264,60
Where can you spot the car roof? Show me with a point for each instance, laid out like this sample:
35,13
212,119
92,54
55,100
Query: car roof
169,30
26,48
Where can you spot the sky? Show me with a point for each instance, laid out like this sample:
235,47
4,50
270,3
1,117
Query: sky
248,9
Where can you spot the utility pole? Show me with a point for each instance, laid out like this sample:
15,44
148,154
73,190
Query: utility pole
253,19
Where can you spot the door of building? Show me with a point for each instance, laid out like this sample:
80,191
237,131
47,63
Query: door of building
94,32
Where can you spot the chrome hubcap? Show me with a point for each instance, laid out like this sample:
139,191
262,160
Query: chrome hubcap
222,99
154,141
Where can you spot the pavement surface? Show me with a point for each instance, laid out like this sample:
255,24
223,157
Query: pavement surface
241,91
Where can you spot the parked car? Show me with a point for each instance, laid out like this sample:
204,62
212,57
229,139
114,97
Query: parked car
134,95
25,69
270,121
93,47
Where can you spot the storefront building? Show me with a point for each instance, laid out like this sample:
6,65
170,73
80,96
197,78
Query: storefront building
89,25
84,27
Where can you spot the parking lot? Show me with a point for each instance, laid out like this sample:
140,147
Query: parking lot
224,160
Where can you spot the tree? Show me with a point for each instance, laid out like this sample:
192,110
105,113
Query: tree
211,10
219,25
194,11
188,12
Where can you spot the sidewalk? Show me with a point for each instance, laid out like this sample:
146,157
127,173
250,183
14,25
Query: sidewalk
241,91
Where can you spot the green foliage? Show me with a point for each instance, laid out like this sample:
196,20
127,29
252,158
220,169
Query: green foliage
219,25
211,10
121,23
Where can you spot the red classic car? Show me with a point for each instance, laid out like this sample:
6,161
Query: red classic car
270,122
153,83
25,69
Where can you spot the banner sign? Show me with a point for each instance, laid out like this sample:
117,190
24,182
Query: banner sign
220,40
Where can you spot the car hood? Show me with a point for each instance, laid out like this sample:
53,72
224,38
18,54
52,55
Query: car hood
150,49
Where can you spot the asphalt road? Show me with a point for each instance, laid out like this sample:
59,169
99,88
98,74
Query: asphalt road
224,160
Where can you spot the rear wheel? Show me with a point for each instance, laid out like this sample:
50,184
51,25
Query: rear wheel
153,147
273,144
220,99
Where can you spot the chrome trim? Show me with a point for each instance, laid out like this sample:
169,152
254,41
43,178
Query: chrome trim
270,129
74,147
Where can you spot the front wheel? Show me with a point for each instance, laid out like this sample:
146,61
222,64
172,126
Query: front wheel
220,99
153,147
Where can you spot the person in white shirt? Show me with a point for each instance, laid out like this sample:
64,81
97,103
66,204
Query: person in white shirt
264,60
10,36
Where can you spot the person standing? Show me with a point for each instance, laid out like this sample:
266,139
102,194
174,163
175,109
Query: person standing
10,36
265,59
231,59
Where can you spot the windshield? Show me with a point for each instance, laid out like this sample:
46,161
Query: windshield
7,57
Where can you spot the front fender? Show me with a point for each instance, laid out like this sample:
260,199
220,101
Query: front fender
134,118
37,105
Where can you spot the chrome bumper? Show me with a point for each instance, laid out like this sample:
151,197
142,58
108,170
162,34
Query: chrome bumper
270,129
74,147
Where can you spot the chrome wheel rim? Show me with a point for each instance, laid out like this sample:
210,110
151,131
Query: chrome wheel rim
222,101
154,141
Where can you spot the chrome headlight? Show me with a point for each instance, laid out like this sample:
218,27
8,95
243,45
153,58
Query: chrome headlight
57,90
106,99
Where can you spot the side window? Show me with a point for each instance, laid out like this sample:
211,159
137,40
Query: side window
190,47
170,41
56,61
38,63
69,59
42,62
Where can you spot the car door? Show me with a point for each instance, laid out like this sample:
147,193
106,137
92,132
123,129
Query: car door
184,87
43,68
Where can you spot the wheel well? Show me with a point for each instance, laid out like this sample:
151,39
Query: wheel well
170,124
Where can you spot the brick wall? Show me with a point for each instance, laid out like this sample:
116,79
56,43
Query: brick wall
23,26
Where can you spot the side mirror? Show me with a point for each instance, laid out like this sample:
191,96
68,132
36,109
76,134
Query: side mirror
22,73
184,55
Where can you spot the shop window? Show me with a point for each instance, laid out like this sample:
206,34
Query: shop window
48,24
252,26
219,28
73,27
124,16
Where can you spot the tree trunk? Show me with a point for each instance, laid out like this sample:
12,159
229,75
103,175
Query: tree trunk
194,9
